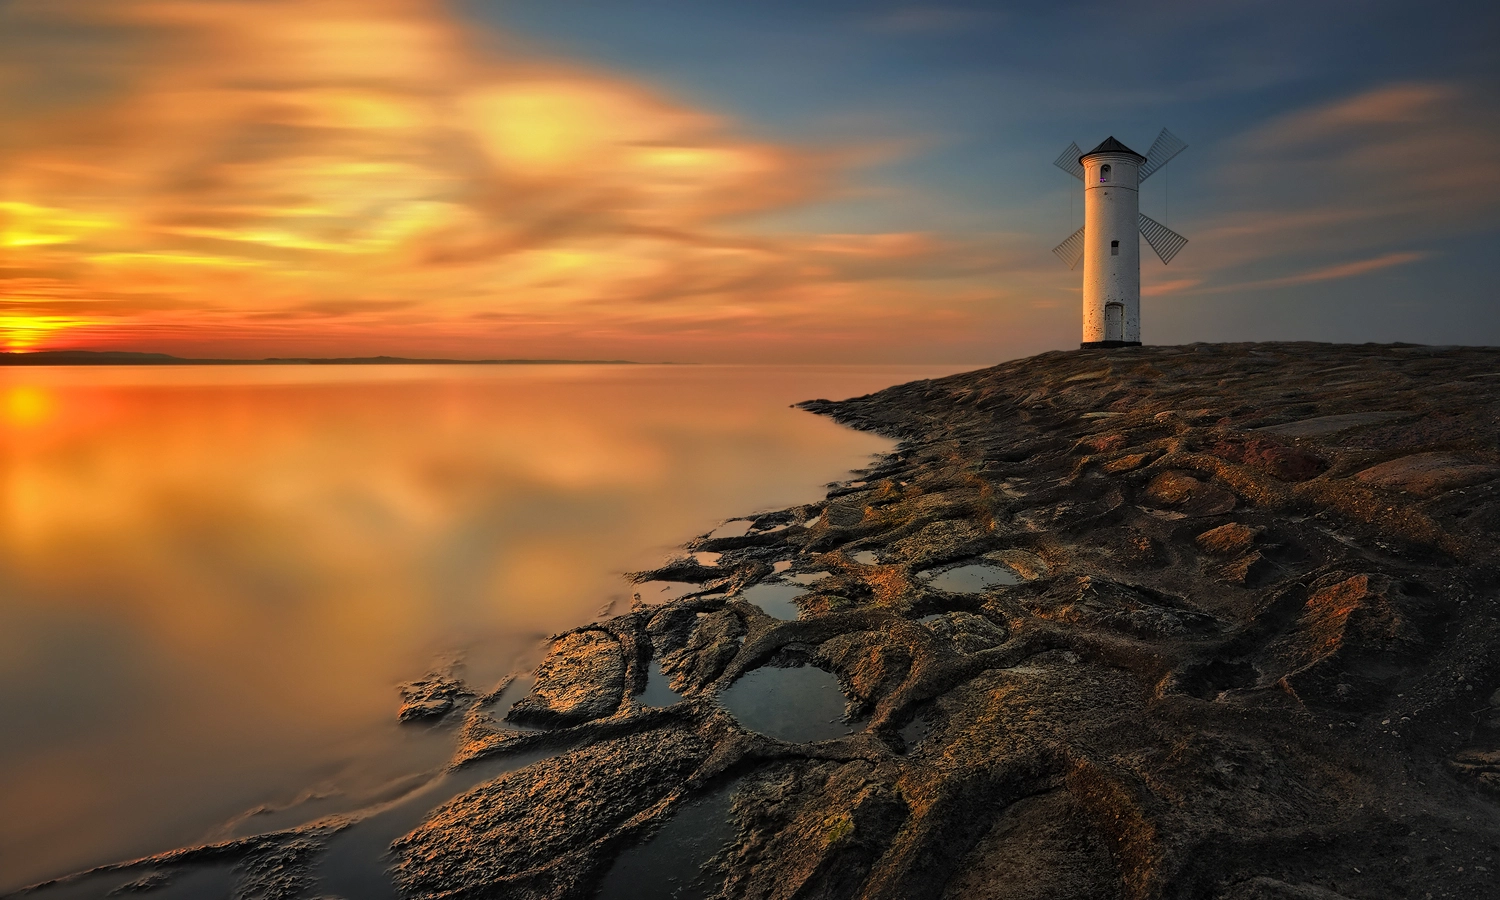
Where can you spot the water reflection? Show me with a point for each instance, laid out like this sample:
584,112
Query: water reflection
807,577
658,690
668,866
211,579
776,598
658,592
794,703
974,578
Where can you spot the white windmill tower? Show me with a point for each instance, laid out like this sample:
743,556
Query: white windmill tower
1112,174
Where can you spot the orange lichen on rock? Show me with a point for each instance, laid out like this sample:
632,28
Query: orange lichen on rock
1128,463
1347,616
1273,457
1227,539
1188,495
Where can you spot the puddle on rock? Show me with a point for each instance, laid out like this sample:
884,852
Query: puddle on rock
807,577
775,598
796,704
670,863
706,558
865,557
914,732
973,578
502,705
658,690
782,566
655,592
931,617
733,528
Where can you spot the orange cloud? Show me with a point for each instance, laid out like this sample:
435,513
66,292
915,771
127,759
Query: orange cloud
1366,177
1328,273
1172,286
1348,270
249,168
1404,159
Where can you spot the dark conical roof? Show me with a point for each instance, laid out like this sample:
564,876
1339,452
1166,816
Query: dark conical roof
1110,145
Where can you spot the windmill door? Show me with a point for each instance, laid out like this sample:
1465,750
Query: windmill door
1114,321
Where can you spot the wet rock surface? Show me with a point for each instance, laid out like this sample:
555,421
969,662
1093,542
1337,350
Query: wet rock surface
582,678
277,865
547,830
1252,652
432,696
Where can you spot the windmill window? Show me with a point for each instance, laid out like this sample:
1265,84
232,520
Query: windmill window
1114,248
1104,171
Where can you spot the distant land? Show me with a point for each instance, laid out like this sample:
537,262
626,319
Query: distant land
128,358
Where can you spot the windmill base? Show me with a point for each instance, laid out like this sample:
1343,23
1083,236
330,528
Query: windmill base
1104,345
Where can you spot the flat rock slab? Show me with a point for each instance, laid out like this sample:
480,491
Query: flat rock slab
1427,474
1321,426
547,829
582,678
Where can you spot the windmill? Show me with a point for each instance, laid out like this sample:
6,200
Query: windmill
1112,174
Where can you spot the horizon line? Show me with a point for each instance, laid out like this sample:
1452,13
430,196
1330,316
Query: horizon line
134,357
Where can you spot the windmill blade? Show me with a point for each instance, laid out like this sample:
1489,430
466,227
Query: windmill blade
1070,251
1162,239
1068,161
1166,146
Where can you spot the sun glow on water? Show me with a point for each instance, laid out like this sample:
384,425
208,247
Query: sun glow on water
27,405
220,573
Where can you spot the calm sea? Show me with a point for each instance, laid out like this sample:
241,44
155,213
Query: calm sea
212,579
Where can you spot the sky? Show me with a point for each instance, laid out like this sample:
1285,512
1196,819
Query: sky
694,181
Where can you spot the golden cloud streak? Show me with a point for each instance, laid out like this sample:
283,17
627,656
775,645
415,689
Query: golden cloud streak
367,165
19,334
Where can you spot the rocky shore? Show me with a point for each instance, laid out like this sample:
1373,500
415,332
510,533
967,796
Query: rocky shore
1247,647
